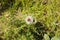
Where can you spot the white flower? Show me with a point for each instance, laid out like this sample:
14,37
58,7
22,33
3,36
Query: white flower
29,20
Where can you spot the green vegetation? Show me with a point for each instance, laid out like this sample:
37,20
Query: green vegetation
13,25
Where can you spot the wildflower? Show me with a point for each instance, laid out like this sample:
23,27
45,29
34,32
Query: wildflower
30,20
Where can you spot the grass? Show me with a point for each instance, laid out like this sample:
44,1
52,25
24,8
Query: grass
12,19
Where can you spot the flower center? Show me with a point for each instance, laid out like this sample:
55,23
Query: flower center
29,19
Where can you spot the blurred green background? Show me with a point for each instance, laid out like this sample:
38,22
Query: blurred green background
13,25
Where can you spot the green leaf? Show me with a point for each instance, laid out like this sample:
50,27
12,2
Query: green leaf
55,38
46,37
